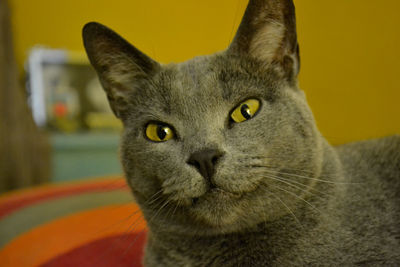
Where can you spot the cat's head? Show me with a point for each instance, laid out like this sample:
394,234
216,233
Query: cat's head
206,141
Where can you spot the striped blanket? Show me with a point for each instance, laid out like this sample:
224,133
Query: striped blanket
87,223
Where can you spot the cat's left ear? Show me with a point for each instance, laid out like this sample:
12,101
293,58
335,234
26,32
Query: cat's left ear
268,33
121,67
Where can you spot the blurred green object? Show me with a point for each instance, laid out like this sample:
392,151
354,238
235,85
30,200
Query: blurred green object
82,155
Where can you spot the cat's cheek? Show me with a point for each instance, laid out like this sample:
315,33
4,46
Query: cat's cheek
143,188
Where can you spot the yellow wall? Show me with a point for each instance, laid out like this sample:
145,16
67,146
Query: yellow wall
350,49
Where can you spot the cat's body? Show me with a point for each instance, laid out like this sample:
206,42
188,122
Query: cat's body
225,160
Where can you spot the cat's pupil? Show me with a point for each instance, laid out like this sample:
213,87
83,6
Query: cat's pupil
245,110
161,132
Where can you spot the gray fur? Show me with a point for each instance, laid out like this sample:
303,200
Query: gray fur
283,195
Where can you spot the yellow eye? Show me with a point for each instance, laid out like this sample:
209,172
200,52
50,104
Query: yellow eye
159,132
245,110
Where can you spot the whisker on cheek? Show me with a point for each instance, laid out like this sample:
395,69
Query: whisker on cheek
121,239
304,187
287,207
296,196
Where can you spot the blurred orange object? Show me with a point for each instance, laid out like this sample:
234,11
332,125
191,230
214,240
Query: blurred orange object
90,223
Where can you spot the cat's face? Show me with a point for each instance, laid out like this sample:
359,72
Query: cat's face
205,142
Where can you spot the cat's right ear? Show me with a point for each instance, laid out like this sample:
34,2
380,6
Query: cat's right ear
120,66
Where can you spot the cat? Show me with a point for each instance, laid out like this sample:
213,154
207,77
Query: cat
223,156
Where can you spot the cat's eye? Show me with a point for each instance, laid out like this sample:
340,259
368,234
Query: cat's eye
158,132
246,110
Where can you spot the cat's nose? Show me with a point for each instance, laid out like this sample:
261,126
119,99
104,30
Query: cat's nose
204,161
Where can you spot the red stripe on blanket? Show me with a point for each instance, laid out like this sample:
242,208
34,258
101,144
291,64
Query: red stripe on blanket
121,250
7,207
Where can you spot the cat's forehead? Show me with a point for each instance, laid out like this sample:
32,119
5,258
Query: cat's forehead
182,89
203,86
208,83
191,79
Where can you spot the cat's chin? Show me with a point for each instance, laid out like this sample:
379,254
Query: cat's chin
217,208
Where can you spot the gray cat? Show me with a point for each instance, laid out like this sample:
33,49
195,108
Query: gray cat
225,160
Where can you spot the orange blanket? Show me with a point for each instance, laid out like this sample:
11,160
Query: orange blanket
89,223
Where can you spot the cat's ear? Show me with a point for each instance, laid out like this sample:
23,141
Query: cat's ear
120,66
268,33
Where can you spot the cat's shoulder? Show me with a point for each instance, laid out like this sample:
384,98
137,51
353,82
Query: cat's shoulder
386,145
373,149
371,171
380,156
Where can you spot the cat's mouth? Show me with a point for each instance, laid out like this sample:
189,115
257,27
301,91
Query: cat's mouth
216,194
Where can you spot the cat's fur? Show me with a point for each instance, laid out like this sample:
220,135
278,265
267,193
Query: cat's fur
280,194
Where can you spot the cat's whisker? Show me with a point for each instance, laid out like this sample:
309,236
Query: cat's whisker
138,211
106,228
296,169
287,207
324,178
306,188
130,229
156,205
296,196
133,227
159,210
154,198
170,207
312,178
289,183
267,168
277,168
176,206
274,168
155,194
131,244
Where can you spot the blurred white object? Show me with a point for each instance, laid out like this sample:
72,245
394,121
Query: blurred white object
38,58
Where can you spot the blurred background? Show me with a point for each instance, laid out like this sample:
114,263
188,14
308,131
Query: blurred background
55,123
